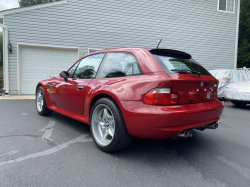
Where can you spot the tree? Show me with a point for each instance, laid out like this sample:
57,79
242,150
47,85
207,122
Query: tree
244,35
23,3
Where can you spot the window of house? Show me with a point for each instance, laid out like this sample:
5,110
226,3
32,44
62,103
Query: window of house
119,64
88,66
226,5
91,50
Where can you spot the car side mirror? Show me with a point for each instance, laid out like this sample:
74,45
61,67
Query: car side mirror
65,75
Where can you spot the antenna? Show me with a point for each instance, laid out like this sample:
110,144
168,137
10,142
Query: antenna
159,44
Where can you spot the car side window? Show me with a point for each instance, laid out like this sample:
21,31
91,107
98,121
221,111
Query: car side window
72,69
88,66
119,64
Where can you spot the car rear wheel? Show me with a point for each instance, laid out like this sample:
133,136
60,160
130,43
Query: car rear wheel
239,104
107,126
41,104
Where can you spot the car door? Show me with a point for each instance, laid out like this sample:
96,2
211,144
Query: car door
70,92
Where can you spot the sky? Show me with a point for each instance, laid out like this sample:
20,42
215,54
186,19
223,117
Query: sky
7,4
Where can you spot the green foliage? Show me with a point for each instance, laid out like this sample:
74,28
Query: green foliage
23,3
244,35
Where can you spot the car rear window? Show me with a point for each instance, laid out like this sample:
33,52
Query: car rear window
119,64
179,65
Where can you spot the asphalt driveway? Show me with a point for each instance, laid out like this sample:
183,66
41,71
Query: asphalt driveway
59,151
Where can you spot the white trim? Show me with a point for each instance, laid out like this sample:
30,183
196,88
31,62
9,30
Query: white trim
35,45
94,49
237,35
33,7
6,58
225,11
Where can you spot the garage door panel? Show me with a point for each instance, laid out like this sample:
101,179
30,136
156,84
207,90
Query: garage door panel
56,52
39,63
42,64
28,76
68,54
43,52
28,87
27,63
42,76
56,65
55,74
25,51
68,65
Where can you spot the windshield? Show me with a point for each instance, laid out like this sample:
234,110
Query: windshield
181,66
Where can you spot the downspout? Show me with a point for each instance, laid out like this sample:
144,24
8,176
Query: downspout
6,57
237,35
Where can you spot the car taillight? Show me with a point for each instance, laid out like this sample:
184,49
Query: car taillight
161,96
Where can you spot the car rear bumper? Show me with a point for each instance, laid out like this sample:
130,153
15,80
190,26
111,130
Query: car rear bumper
158,122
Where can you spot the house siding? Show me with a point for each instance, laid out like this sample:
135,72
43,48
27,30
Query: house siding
193,26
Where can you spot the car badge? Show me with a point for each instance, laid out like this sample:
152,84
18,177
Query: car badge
107,123
201,84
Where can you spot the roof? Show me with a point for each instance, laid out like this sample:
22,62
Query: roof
32,7
154,51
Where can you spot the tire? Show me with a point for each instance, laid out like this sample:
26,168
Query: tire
239,104
41,105
107,126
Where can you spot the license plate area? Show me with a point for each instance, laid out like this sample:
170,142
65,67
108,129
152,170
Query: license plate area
208,95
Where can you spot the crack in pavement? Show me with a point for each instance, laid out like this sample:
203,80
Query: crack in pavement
8,154
28,135
80,139
47,133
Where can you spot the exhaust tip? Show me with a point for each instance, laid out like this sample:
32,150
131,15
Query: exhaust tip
186,134
211,126
216,125
190,134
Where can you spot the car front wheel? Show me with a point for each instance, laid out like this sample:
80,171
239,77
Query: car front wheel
108,127
41,104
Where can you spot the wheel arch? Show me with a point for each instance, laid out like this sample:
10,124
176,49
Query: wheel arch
97,97
39,84
47,97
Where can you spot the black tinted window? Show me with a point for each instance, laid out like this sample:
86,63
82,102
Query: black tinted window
181,66
88,66
119,64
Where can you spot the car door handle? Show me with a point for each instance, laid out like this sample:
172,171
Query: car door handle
80,87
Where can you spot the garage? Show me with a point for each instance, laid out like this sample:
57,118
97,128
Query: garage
37,63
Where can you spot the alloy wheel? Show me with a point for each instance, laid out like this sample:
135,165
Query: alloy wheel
39,100
103,125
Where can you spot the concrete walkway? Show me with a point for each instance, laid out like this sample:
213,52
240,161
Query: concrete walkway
20,97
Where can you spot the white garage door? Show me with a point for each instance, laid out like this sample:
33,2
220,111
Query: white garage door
39,63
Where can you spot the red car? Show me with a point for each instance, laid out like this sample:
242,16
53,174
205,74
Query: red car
134,92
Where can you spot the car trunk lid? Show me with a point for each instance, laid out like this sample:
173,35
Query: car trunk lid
194,89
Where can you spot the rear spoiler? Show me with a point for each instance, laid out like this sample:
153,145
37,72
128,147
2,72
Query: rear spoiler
170,53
